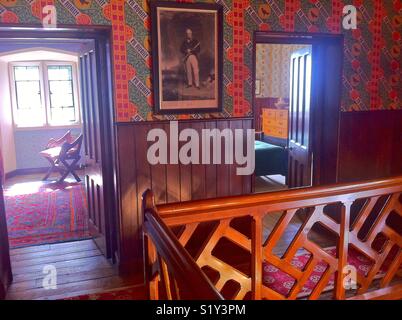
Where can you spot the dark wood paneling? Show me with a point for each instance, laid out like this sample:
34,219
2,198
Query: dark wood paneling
198,171
370,145
170,183
185,173
223,170
326,104
5,266
235,181
97,152
211,171
128,193
157,172
396,164
248,185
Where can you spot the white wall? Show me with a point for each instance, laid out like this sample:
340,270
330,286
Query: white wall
6,122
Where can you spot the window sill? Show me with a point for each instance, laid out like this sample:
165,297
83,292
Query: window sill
73,126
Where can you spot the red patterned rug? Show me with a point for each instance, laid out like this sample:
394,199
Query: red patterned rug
40,213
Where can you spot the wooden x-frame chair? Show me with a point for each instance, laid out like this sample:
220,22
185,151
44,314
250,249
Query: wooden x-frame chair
63,155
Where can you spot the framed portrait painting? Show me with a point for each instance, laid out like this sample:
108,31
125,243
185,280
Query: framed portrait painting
187,57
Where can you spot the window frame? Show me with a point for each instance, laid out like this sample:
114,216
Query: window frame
45,93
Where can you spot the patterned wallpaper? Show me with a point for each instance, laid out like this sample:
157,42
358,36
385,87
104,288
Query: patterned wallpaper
273,69
372,52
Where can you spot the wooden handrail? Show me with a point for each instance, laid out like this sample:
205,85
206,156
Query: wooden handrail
362,218
181,266
175,213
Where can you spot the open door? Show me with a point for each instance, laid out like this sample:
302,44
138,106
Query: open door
94,126
299,145
5,265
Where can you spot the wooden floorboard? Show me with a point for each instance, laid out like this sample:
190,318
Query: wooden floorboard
62,264
67,267
70,289
96,273
50,259
81,269
47,253
72,245
26,250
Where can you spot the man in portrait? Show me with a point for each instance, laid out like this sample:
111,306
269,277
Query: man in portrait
190,48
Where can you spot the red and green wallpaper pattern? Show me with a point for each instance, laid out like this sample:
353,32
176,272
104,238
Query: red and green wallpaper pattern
372,52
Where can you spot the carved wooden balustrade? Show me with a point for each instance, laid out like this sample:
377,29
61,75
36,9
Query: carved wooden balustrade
228,238
171,264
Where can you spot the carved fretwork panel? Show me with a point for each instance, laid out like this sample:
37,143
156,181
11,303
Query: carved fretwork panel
300,241
229,272
316,250
382,244
340,243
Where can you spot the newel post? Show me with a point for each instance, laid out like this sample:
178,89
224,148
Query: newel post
342,251
148,202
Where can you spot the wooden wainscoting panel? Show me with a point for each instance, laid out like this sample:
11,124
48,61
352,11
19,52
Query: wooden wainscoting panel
127,190
211,187
236,181
223,170
198,171
173,175
370,145
396,165
247,182
158,171
169,182
185,173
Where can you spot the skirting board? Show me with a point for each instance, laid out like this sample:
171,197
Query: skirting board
21,172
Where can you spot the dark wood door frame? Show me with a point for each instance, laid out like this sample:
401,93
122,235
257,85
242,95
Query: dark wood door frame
5,265
102,36
326,93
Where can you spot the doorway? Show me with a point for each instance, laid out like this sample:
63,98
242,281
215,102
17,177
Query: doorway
40,111
93,173
297,89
